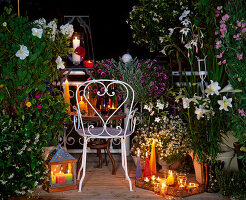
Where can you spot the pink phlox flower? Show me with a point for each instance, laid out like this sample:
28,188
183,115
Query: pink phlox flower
103,73
241,112
218,42
219,63
237,37
39,106
243,30
95,90
220,55
240,56
38,96
217,15
225,17
244,24
35,120
102,89
88,79
239,23
224,62
216,32
219,7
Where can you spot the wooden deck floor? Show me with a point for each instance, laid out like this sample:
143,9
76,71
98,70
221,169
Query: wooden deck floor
100,184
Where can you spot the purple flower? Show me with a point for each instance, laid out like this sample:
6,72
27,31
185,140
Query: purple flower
219,7
108,72
220,55
143,80
35,120
224,62
155,88
148,67
103,73
102,89
39,106
240,56
219,63
38,96
237,37
99,71
216,32
225,17
243,30
154,60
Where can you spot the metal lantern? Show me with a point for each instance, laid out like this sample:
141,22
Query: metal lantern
202,71
62,168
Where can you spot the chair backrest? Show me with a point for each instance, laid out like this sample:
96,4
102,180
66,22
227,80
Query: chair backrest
105,91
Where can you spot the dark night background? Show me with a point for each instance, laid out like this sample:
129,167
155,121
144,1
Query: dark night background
111,34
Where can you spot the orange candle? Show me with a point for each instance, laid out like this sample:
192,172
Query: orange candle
153,160
67,96
78,94
82,106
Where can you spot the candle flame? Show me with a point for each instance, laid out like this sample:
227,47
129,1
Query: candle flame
153,177
146,179
170,172
66,81
146,154
138,152
81,99
163,185
75,38
153,142
68,171
60,172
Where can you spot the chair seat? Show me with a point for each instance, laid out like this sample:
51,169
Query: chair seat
100,132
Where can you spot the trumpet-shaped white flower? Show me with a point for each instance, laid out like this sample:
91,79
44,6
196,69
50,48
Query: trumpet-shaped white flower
227,88
200,112
67,29
37,32
22,53
40,22
184,31
171,30
60,63
188,46
225,103
184,14
186,22
213,88
186,102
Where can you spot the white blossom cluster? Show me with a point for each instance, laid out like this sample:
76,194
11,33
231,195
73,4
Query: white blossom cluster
203,105
67,30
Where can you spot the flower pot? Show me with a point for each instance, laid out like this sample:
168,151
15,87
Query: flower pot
199,169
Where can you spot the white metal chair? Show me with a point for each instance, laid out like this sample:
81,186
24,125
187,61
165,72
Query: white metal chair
105,131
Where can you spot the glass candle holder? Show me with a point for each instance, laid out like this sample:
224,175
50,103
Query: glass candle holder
182,180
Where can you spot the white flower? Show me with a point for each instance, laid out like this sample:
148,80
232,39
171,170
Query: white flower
60,63
225,103
186,22
188,46
3,182
53,26
5,24
184,14
22,53
37,32
11,176
157,119
159,105
193,42
67,29
40,22
199,112
227,88
213,88
171,30
151,114
185,102
161,39
184,31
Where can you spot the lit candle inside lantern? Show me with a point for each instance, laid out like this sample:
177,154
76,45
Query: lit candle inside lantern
75,57
163,189
69,176
69,167
138,171
153,159
60,177
170,178
67,96
146,166
88,63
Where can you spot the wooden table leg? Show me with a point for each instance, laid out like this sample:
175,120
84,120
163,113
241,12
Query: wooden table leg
111,157
100,157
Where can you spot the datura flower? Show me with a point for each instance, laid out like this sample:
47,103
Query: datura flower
225,103
22,53
60,63
227,88
37,32
213,88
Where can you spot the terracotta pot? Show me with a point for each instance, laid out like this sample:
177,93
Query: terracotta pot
199,169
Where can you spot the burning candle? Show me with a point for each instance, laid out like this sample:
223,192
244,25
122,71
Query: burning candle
170,178
138,171
146,179
146,166
53,178
69,176
153,159
60,177
88,63
192,185
67,96
75,57
163,189
78,94
82,106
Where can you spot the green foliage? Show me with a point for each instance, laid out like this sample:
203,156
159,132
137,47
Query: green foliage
232,184
30,118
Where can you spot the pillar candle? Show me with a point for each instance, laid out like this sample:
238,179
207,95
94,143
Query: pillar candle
78,94
60,177
146,166
69,176
170,178
67,96
75,57
138,171
53,178
109,102
82,105
153,160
